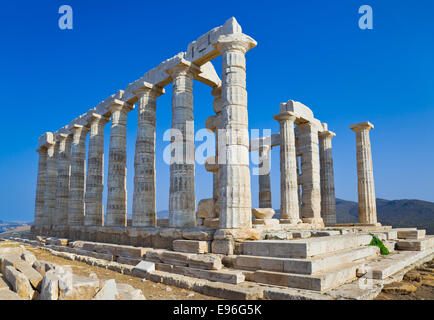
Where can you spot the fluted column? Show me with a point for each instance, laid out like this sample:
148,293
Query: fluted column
63,177
365,174
289,201
95,172
234,175
264,178
50,184
144,198
117,172
40,186
182,199
310,170
217,107
328,199
77,179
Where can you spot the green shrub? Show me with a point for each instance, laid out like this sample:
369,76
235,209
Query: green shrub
377,242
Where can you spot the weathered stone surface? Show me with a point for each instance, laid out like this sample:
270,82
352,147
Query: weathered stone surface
190,246
127,292
195,234
9,259
19,282
205,209
410,234
205,261
3,283
80,288
212,223
130,261
237,234
226,276
108,291
223,246
34,277
143,268
43,266
176,258
263,213
28,257
6,294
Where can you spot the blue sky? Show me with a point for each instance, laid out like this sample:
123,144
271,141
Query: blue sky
309,51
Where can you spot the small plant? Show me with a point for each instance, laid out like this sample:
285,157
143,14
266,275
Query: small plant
377,242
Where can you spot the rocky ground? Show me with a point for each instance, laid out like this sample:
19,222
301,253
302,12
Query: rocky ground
418,284
150,290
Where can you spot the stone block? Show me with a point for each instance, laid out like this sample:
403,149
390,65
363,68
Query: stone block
43,266
229,291
212,223
127,292
190,246
415,245
9,259
143,268
28,257
130,261
163,267
154,255
205,261
108,291
196,234
4,284
411,234
80,288
225,247
301,234
226,276
35,278
205,209
176,258
163,223
267,222
6,294
263,213
19,282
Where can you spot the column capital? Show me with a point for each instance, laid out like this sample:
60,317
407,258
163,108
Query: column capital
184,67
326,134
146,88
97,118
119,105
62,136
283,116
362,126
235,41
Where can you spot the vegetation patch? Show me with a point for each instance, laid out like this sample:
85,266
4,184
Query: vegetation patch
377,242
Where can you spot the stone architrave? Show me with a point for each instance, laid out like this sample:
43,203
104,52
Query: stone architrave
264,177
144,197
289,200
63,177
365,174
95,172
116,215
77,179
40,186
234,174
328,198
310,174
182,199
50,183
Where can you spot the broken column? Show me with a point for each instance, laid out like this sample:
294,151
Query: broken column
328,199
289,202
234,174
182,199
63,176
116,214
365,174
264,177
95,172
310,174
77,179
144,198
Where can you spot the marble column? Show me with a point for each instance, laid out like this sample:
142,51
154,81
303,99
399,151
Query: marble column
289,200
234,174
117,171
50,184
40,186
94,208
217,107
144,198
365,174
77,178
310,171
264,178
63,177
328,198
182,199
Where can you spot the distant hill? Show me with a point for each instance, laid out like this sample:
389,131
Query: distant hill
396,213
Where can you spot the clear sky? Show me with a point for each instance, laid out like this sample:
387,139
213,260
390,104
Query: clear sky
309,51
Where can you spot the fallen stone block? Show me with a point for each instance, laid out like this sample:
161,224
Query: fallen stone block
4,284
19,282
205,261
32,275
28,257
108,291
9,259
127,292
43,266
6,294
190,246
80,288
143,268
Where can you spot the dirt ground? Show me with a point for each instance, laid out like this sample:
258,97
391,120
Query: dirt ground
151,290
418,284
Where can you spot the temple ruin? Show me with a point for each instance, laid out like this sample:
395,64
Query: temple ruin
303,248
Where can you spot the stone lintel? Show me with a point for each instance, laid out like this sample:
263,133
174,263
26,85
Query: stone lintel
327,133
362,126
285,115
46,139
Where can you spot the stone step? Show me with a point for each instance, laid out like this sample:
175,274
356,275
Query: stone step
304,248
191,246
386,266
322,281
305,266
415,245
411,234
206,261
